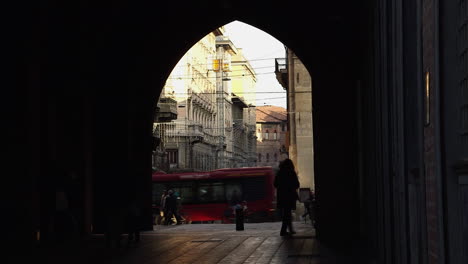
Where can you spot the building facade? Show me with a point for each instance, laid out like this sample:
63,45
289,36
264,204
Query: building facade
212,123
166,111
191,139
296,80
271,135
244,80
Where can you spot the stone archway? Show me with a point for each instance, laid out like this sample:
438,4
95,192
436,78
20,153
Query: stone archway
331,66
112,86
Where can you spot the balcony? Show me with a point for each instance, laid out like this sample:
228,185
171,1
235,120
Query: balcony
226,43
210,139
167,110
281,71
179,129
239,101
195,130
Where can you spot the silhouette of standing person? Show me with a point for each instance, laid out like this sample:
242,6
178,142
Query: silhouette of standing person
286,184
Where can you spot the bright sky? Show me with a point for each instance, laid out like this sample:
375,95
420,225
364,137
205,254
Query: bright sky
260,49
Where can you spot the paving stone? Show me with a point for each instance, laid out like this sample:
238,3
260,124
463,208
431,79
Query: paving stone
201,244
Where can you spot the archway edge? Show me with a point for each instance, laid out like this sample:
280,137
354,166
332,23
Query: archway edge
327,50
124,55
316,27
326,47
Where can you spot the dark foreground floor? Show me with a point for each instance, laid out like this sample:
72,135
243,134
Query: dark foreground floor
200,243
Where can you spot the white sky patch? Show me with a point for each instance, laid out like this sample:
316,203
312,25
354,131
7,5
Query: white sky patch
260,49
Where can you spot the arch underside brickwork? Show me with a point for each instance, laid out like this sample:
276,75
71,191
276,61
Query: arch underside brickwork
92,77
105,69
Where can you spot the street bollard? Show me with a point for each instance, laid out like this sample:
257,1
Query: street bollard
239,219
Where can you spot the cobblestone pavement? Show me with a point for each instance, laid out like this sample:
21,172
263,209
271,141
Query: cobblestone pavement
204,243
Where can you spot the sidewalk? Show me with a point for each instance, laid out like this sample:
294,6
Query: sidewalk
201,243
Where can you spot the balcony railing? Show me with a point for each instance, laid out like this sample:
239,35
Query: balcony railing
167,110
281,71
174,129
195,130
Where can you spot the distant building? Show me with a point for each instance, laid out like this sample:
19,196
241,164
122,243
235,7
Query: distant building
166,111
191,139
214,127
294,77
271,135
244,140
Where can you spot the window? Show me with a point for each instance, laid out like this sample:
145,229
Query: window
184,190
233,192
275,137
276,157
172,156
268,157
259,157
266,134
254,189
211,192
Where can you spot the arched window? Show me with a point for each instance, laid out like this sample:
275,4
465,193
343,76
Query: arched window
259,157
268,157
266,135
276,157
275,137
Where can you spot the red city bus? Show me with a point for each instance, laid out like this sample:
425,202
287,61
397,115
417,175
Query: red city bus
209,196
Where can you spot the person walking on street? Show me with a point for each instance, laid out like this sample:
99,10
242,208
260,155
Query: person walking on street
160,217
286,184
170,207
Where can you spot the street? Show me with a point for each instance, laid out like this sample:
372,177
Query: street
205,243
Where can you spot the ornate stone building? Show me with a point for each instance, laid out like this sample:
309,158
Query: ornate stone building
271,135
212,122
296,80
244,80
190,140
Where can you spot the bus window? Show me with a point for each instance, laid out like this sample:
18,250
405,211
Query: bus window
254,188
233,192
211,192
184,190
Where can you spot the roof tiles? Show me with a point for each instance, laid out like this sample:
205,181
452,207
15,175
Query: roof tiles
270,113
